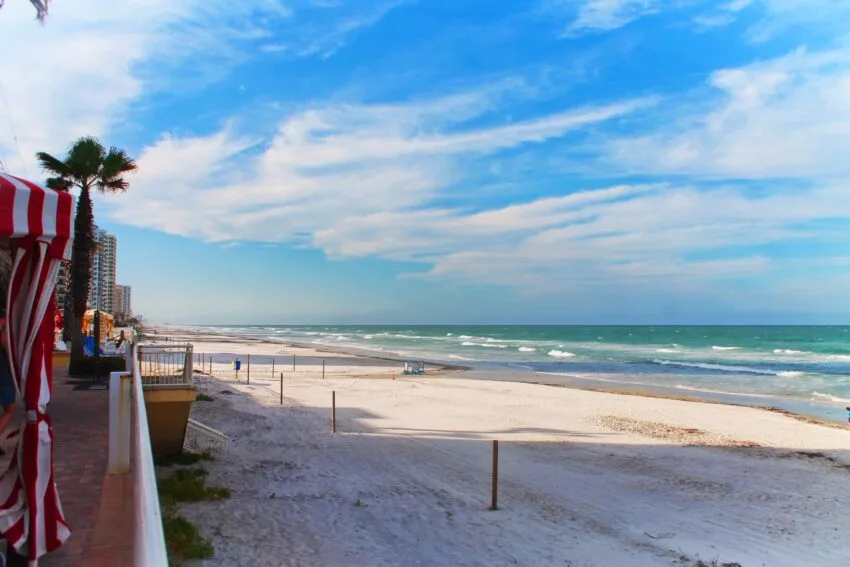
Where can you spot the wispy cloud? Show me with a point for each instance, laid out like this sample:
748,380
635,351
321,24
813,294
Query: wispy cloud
364,180
78,74
603,15
786,117
323,28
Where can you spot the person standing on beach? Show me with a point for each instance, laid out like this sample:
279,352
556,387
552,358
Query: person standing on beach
7,386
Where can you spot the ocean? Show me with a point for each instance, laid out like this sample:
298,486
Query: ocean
799,368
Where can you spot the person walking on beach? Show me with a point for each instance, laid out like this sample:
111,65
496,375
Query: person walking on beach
7,386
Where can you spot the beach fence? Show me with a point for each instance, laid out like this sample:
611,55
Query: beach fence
166,364
202,438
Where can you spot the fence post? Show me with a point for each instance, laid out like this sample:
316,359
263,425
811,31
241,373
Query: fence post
293,363
188,367
119,423
333,412
494,505
249,368
272,368
323,370
281,388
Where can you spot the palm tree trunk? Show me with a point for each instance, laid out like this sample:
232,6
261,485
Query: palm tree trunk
81,260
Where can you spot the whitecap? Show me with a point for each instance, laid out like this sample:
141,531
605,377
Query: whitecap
667,350
449,334
560,354
788,351
725,348
830,397
367,337
526,349
721,367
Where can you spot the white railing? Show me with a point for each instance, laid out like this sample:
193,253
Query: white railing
202,438
149,546
166,365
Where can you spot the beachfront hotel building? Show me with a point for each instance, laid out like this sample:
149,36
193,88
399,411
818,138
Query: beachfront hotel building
102,292
121,300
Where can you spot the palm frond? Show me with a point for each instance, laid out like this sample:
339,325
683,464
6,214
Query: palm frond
59,184
85,158
115,165
52,165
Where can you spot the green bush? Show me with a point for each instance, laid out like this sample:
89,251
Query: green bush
183,539
183,459
189,485
87,367
203,398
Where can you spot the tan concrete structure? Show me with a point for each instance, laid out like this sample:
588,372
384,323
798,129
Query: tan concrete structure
168,414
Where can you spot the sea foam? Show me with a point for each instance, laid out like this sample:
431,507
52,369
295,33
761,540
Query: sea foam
560,354
725,348
526,349
830,397
725,368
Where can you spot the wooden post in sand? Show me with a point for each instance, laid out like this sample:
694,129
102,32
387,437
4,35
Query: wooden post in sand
333,412
272,368
249,368
281,388
210,364
494,496
293,363
323,370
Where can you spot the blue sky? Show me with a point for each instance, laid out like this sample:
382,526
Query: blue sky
392,161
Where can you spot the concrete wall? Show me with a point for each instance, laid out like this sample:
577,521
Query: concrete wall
168,414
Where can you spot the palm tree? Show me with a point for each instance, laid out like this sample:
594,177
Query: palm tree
87,165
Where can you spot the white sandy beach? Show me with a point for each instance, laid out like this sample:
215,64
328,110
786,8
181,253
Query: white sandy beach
587,478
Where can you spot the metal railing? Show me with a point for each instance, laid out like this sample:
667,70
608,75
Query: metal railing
166,365
202,438
149,546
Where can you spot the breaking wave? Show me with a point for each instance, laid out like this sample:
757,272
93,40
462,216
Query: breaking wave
725,368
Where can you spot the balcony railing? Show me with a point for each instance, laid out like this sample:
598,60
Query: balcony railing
166,365
149,546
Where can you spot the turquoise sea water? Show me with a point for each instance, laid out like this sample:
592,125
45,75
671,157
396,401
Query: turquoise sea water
796,367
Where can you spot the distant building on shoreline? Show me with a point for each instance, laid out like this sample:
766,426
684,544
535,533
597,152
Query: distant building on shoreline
123,306
102,292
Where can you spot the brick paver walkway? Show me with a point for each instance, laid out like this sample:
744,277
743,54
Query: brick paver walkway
98,508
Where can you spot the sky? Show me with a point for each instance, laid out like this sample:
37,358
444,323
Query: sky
439,162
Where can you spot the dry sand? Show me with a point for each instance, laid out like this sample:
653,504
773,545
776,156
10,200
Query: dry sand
587,478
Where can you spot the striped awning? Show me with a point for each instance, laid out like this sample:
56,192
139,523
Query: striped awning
30,213
36,224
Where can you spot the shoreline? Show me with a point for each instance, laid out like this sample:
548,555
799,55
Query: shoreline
442,368
586,477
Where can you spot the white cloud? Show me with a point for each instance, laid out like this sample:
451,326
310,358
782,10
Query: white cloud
784,118
77,74
361,180
326,165
603,15
771,18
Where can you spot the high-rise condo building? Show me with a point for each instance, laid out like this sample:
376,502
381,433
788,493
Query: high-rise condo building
122,306
102,292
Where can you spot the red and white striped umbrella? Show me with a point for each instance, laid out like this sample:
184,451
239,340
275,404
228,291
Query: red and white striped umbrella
37,225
